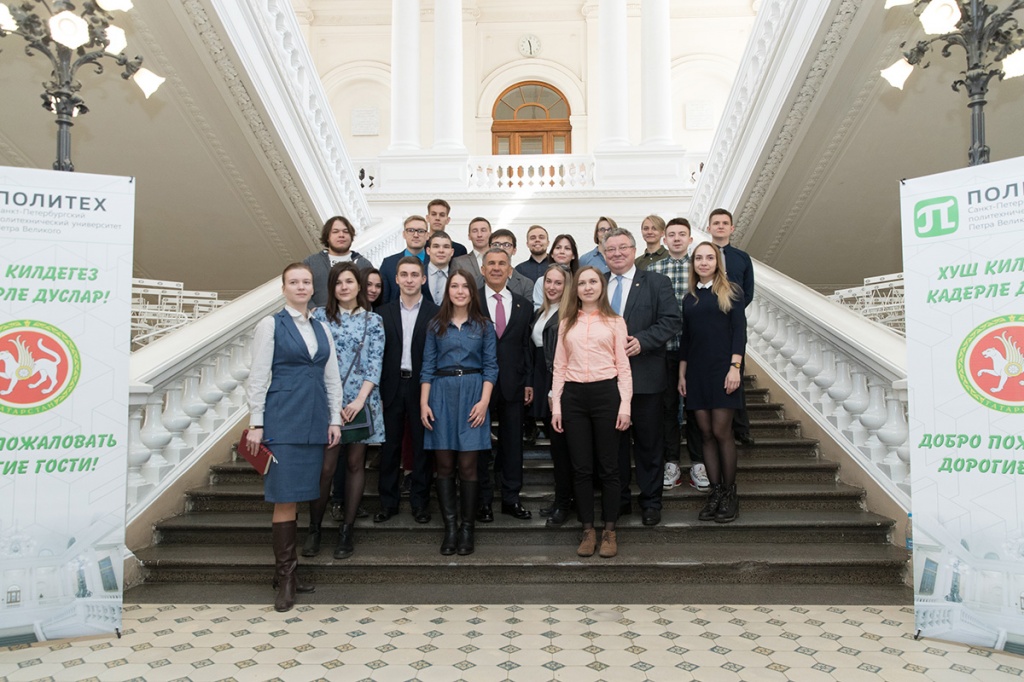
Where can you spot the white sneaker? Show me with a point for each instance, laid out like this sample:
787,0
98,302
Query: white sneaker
671,475
699,477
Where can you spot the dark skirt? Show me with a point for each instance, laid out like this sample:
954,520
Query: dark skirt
295,476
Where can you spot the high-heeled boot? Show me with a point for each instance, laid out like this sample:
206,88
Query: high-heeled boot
284,556
729,508
446,500
467,501
345,546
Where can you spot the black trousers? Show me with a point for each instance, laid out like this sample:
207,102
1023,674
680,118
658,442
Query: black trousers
561,464
588,419
670,407
403,412
507,456
648,440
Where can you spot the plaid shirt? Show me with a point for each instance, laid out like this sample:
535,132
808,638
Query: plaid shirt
679,272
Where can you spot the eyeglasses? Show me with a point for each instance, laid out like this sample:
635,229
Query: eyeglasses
618,249
413,230
604,230
502,245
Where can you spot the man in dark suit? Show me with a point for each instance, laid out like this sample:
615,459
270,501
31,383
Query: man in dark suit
512,316
480,238
439,257
405,327
647,303
439,214
415,233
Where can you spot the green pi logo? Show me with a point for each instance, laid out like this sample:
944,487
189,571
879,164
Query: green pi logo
936,217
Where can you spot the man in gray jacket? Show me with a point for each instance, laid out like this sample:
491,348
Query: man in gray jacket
337,237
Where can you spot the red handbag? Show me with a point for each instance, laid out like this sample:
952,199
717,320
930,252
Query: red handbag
263,457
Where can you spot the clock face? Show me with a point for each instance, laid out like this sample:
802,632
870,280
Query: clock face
529,45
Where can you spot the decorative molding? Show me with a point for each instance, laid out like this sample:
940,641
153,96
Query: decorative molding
11,154
809,90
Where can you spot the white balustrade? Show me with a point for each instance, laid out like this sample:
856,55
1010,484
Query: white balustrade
846,372
534,172
187,391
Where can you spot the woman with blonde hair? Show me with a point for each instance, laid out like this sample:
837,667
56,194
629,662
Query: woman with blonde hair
710,356
592,386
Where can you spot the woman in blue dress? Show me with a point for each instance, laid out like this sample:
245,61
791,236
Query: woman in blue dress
294,395
460,367
358,336
710,356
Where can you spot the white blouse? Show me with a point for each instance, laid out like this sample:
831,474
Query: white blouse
263,359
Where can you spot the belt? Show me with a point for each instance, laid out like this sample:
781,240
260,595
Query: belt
407,374
456,372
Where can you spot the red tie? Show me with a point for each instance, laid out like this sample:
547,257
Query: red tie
499,315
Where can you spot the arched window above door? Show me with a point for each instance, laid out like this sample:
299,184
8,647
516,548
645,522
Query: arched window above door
531,118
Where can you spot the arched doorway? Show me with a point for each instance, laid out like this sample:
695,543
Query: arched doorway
531,118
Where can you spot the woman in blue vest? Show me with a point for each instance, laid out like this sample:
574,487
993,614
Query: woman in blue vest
358,337
295,407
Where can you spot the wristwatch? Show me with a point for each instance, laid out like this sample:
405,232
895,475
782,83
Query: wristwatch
735,364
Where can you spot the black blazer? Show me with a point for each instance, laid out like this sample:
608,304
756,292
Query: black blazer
550,337
391,368
515,354
652,316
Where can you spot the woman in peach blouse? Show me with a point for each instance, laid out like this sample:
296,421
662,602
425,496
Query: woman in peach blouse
590,394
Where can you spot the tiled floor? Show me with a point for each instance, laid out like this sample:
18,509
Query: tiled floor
530,643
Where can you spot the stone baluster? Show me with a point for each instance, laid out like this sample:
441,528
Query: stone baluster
894,433
138,455
226,383
155,436
176,421
778,340
839,391
798,359
824,380
763,345
195,407
239,368
872,418
855,404
811,391
211,395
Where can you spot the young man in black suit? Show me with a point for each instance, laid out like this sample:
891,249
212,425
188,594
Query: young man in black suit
439,214
414,230
512,316
647,303
405,328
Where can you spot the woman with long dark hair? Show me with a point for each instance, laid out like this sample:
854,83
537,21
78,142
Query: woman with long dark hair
592,386
373,285
294,395
358,337
556,282
563,252
460,367
710,356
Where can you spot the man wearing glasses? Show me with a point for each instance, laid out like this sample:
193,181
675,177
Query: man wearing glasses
415,233
647,303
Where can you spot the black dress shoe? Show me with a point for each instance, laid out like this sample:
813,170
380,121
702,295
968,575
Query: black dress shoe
744,439
547,511
484,515
557,518
421,515
385,514
625,509
517,510
651,516
361,513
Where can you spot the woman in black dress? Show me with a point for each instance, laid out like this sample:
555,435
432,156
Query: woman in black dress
710,355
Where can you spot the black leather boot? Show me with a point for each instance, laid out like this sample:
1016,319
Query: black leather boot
468,503
707,513
345,547
312,545
286,561
729,508
446,500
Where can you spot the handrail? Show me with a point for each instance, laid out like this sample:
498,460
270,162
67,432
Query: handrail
848,373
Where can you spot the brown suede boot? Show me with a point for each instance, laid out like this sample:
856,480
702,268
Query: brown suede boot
609,544
588,545
285,558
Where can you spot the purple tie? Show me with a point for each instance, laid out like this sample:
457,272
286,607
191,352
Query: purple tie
499,315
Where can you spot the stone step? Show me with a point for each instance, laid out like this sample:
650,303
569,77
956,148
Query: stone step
761,527
726,562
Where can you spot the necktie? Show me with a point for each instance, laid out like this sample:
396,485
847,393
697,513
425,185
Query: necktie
499,315
439,279
617,296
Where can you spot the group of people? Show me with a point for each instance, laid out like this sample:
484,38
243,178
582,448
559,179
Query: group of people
420,355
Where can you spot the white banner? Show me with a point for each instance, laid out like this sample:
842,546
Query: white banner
963,259
65,321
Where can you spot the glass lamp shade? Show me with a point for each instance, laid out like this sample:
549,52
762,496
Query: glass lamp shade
116,40
69,29
898,73
147,81
7,22
940,16
115,5
1013,65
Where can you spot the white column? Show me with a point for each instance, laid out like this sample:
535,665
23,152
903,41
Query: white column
448,105
405,74
656,73
612,74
